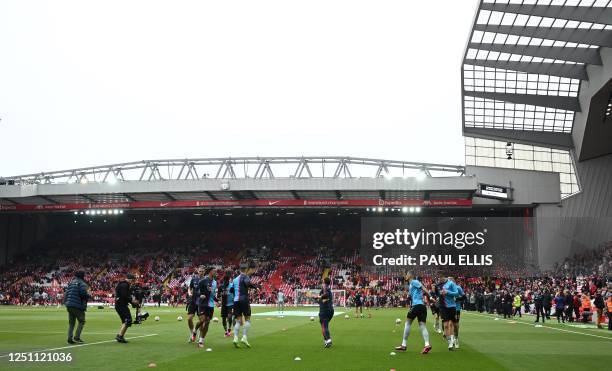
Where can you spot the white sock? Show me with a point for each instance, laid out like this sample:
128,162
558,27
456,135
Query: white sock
424,333
406,333
245,329
451,340
236,330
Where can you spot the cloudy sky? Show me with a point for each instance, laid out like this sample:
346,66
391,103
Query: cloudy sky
97,82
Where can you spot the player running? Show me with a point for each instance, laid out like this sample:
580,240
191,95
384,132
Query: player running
242,307
448,309
227,303
326,310
194,300
458,300
417,310
208,289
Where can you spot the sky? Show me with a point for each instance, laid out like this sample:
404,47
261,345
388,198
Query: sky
86,83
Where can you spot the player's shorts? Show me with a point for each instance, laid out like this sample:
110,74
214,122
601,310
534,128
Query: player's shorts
435,309
448,314
326,315
457,315
124,313
418,311
242,308
192,308
205,310
226,311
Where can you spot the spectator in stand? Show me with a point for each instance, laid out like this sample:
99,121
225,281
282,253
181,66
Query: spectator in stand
75,299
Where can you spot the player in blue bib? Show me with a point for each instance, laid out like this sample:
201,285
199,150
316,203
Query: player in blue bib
417,310
458,300
448,309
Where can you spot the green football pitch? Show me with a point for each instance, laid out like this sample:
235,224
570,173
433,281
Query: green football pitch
359,343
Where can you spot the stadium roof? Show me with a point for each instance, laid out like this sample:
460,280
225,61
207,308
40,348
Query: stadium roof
243,181
524,64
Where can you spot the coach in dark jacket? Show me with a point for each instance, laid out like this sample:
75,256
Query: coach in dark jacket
75,299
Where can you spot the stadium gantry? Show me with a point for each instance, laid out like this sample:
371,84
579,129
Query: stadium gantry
238,167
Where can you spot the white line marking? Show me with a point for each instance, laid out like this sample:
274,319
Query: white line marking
78,345
548,327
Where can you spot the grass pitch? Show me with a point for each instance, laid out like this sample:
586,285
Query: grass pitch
359,344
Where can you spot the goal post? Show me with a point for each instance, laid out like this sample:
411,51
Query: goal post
307,297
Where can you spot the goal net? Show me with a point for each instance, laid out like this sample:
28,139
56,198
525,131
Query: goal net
307,297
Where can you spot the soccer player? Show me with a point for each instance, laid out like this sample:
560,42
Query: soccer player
242,306
459,299
448,309
417,310
194,300
206,308
358,304
227,302
434,303
326,310
280,301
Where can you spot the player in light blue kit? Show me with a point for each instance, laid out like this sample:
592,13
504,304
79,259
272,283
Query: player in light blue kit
448,309
417,310
459,299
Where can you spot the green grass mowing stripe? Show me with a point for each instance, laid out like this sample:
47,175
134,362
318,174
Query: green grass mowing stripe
82,345
522,322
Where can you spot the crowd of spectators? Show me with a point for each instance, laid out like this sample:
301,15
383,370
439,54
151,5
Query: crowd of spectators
285,259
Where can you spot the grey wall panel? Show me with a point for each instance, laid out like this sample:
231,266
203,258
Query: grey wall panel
584,221
598,76
530,187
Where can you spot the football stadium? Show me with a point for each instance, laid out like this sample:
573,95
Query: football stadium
340,262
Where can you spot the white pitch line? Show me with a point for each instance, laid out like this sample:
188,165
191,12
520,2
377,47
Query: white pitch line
78,345
552,328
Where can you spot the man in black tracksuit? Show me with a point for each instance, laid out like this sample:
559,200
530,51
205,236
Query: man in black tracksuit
538,300
326,310
546,302
123,298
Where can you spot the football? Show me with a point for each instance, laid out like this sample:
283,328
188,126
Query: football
157,318
398,321
179,318
215,319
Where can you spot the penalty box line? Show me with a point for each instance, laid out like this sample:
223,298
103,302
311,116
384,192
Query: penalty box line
548,327
78,345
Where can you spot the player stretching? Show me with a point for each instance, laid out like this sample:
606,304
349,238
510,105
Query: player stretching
417,310
242,307
208,288
194,300
227,303
458,300
280,302
448,309
326,310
